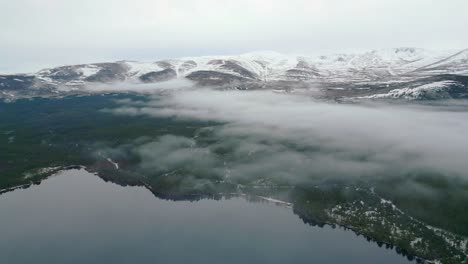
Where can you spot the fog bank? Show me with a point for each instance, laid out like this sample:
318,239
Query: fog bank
296,139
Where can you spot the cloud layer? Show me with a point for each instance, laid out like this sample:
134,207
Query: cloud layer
39,33
295,139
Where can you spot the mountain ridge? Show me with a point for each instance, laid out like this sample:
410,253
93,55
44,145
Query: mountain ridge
384,68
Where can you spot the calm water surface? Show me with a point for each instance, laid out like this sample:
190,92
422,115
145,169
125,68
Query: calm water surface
75,217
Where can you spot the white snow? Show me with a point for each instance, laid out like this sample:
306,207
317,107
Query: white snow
89,70
116,165
414,93
415,241
45,170
266,65
358,67
384,201
459,58
140,68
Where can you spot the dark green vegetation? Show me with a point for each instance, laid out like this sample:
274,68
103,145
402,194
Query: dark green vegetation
42,133
180,159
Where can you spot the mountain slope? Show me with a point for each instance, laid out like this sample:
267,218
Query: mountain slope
365,73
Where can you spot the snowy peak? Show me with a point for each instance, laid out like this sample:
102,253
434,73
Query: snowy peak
447,89
385,68
457,62
267,66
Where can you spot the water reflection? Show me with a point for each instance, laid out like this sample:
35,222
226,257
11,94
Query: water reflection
75,217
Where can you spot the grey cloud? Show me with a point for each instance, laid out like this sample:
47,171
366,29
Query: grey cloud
49,32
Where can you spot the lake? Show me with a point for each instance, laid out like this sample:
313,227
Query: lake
76,217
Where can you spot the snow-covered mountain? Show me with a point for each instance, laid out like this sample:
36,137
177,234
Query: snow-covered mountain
446,89
363,74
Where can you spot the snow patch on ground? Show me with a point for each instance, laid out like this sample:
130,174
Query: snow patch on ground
89,70
140,68
41,171
433,90
116,165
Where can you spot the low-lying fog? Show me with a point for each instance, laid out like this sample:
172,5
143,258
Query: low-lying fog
296,138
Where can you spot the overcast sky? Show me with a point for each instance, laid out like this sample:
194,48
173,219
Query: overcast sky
41,33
